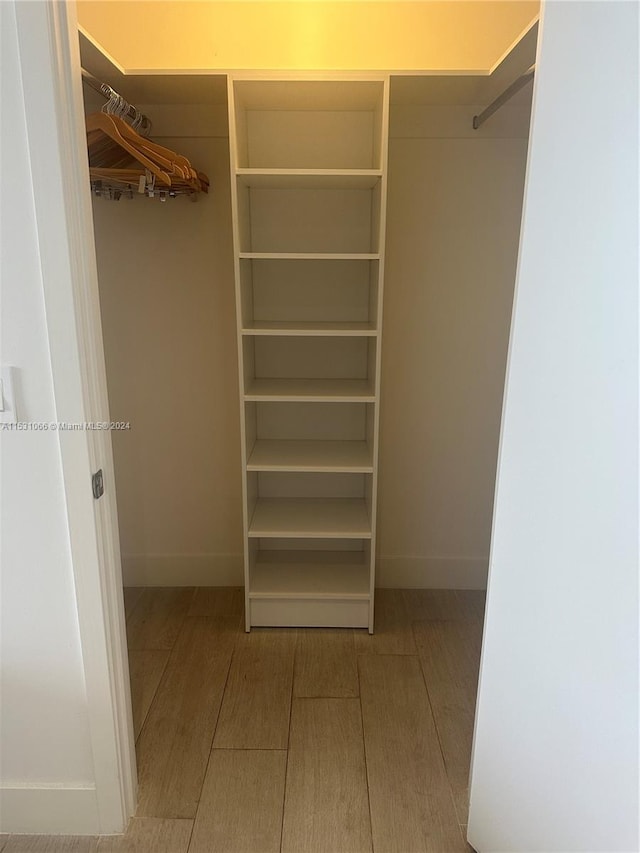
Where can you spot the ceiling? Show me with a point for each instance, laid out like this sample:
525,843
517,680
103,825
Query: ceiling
436,89
457,37
469,89
153,88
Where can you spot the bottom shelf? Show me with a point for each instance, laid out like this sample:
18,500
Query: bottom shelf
310,588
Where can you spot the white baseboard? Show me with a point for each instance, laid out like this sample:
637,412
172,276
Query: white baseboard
182,570
432,572
226,570
49,811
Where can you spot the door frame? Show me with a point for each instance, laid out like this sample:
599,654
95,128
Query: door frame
52,87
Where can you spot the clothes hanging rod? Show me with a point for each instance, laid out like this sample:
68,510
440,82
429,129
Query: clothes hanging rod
108,92
504,97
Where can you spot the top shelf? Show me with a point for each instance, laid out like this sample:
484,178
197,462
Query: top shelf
308,126
351,179
308,95
313,256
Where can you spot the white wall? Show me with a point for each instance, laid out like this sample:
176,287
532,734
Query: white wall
166,285
453,223
555,764
44,734
167,300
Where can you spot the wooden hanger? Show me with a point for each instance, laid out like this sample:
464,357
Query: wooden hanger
165,157
113,144
106,125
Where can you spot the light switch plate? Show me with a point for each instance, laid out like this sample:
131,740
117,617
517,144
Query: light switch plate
8,414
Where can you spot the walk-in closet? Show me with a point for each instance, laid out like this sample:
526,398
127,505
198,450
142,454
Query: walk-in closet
319,384
306,337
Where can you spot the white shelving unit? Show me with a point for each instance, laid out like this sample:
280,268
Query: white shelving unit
308,177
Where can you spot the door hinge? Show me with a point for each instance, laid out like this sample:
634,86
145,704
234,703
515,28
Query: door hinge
97,484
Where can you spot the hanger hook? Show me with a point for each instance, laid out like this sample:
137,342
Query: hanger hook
113,98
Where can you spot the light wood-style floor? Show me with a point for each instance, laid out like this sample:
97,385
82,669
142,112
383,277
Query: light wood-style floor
296,740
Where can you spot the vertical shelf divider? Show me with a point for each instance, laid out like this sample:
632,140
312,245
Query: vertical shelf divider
308,159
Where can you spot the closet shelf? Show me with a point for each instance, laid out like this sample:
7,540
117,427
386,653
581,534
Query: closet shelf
310,575
308,95
310,518
351,179
310,390
316,456
311,256
333,329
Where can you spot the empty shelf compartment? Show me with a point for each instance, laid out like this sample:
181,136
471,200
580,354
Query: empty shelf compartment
310,518
310,587
301,455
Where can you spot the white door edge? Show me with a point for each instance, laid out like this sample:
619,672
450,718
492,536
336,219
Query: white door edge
50,67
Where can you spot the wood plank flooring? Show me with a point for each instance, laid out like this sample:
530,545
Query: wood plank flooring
157,616
411,800
146,668
241,802
50,844
325,663
450,658
296,740
257,701
149,833
393,634
326,804
173,748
